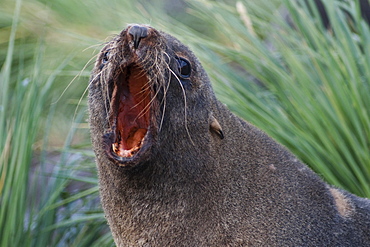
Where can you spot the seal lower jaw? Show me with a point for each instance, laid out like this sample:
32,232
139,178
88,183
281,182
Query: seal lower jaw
130,116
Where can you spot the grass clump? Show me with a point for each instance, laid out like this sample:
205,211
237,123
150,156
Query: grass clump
305,85
38,205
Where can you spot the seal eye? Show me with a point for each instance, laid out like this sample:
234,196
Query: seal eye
105,58
184,67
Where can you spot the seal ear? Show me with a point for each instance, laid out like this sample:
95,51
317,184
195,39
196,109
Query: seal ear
216,127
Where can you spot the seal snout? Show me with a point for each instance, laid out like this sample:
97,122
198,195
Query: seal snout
138,32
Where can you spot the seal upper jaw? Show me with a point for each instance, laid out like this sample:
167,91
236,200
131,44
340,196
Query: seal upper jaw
131,134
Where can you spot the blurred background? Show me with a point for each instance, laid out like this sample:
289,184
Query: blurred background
299,70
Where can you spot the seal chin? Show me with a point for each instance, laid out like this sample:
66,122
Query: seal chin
130,117
131,158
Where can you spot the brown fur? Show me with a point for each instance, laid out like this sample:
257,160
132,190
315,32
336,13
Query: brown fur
343,204
202,176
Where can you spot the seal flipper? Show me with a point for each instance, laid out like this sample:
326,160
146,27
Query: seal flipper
216,127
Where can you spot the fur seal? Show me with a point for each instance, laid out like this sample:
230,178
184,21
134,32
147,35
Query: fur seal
177,168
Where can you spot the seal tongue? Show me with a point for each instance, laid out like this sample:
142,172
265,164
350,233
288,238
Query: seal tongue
133,115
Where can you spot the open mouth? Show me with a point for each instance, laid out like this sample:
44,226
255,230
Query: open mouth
132,102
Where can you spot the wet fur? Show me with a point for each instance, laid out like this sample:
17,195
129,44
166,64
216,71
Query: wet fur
197,189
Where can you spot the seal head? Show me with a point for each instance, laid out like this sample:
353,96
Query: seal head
137,74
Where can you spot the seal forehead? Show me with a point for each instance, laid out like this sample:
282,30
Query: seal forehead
155,51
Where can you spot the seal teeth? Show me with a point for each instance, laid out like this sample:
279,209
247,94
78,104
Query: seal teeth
115,147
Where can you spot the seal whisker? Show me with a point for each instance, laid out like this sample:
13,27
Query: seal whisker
92,60
104,75
185,103
147,107
94,46
144,89
141,73
108,105
105,84
165,89
165,86
86,89
139,94
80,100
143,111
158,60
74,78
142,100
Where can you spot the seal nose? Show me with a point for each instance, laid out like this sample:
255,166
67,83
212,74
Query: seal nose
138,32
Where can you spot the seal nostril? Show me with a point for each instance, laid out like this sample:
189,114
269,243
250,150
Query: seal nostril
138,32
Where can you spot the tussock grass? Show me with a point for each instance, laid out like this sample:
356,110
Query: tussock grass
38,206
306,86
